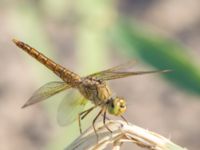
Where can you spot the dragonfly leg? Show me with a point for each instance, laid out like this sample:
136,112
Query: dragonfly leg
104,121
93,123
79,123
124,119
107,117
84,113
87,112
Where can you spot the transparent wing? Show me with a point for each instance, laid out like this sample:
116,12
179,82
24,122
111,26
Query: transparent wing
118,72
117,75
68,110
118,68
46,91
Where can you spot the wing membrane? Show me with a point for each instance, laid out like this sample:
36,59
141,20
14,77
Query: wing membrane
118,68
68,110
46,91
117,75
118,72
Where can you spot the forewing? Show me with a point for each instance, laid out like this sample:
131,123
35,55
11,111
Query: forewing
119,68
46,91
118,72
117,75
68,110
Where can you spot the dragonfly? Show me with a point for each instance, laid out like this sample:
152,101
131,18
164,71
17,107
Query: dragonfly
93,88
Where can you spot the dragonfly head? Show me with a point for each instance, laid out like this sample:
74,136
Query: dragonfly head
116,106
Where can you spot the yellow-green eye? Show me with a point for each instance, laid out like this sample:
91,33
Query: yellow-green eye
117,106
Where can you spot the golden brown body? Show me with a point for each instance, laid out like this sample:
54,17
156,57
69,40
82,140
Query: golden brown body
90,88
66,75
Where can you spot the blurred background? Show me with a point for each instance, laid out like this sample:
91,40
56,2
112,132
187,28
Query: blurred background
87,36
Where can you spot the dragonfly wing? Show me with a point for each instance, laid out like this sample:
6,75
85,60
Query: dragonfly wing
118,68
117,75
68,110
118,72
46,91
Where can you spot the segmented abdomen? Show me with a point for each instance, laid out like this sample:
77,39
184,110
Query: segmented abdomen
68,76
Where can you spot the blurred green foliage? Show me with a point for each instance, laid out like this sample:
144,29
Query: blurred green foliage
160,52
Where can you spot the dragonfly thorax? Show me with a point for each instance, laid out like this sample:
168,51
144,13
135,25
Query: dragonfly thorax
96,91
116,106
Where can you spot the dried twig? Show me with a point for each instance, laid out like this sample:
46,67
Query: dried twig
122,132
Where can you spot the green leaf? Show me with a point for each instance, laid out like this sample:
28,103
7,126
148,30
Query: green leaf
160,52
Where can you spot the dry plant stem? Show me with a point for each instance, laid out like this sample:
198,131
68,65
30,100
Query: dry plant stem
121,133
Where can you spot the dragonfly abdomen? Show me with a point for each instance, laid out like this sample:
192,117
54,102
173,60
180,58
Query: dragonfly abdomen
66,75
70,77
